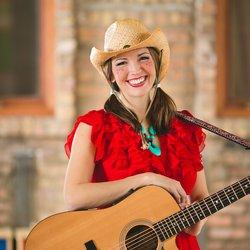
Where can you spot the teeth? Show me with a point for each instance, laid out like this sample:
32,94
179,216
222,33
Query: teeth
137,81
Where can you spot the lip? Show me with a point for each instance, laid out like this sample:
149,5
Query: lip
137,85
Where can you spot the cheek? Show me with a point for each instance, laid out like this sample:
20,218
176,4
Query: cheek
149,66
119,73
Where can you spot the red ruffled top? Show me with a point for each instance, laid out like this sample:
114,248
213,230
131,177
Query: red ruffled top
119,154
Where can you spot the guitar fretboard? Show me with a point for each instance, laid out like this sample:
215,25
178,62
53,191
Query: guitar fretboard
187,217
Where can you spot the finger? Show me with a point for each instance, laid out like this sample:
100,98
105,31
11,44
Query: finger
183,196
182,205
176,195
186,204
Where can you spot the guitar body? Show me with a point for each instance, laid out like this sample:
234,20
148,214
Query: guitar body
108,228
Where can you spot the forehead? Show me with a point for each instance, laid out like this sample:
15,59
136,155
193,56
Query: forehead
132,53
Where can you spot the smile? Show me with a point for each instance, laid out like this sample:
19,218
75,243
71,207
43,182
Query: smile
137,82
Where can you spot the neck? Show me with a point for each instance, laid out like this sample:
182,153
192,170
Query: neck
138,105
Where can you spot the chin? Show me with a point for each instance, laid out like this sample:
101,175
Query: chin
138,95
140,91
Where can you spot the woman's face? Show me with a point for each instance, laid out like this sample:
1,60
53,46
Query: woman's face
134,72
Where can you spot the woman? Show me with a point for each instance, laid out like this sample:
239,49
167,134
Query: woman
136,140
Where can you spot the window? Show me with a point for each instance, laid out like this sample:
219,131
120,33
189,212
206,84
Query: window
26,40
233,45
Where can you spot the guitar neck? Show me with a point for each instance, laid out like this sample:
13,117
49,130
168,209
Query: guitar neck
187,217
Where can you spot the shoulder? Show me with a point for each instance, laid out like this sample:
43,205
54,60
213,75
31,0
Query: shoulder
84,126
91,117
188,130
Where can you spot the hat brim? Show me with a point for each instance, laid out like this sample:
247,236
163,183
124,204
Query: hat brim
157,39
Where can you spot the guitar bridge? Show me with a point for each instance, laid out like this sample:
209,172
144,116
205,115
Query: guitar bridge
90,245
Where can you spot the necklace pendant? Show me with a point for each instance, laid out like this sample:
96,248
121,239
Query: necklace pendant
147,141
155,149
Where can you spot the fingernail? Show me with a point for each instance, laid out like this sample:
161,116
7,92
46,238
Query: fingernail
182,206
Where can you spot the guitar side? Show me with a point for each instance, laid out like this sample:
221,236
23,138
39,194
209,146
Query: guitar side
106,228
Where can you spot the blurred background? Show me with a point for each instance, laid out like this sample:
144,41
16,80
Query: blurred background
46,81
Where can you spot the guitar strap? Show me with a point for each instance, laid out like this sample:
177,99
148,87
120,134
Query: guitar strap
215,130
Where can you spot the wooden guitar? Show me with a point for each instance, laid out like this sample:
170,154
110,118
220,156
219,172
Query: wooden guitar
149,218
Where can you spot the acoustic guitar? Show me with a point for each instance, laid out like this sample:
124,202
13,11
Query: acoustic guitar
149,218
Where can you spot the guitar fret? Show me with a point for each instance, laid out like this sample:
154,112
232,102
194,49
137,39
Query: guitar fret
184,219
187,209
196,215
169,221
160,234
209,211
165,232
169,231
235,194
223,197
198,211
168,234
239,190
226,197
231,195
183,225
176,223
242,188
219,201
201,209
214,205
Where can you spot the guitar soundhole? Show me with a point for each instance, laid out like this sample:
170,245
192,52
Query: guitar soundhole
141,237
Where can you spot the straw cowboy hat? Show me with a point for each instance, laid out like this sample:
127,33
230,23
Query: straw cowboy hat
126,35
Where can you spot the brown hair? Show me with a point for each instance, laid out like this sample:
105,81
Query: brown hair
162,109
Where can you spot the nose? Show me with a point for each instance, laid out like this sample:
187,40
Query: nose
134,67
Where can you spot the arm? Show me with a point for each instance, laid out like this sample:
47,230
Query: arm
79,192
199,192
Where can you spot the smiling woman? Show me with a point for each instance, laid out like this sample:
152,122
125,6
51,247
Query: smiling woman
137,139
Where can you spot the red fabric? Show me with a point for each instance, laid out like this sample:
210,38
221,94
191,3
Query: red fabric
119,154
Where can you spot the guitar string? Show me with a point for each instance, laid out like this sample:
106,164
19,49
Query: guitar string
148,238
149,231
210,202
169,218
225,198
145,231
145,240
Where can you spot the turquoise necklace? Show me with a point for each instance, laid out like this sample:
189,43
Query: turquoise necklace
147,140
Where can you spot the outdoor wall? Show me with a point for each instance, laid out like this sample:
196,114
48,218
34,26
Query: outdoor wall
225,162
41,138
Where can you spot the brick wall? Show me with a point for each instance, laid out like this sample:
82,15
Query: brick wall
225,162
43,136
80,25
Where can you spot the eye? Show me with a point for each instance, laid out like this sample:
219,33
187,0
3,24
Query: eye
144,58
121,63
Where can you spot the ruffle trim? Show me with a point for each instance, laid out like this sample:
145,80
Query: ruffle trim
185,143
118,149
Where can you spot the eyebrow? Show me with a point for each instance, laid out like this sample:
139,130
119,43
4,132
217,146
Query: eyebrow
120,58
143,53
124,58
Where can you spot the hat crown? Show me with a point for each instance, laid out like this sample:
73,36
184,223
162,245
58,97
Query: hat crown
124,33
